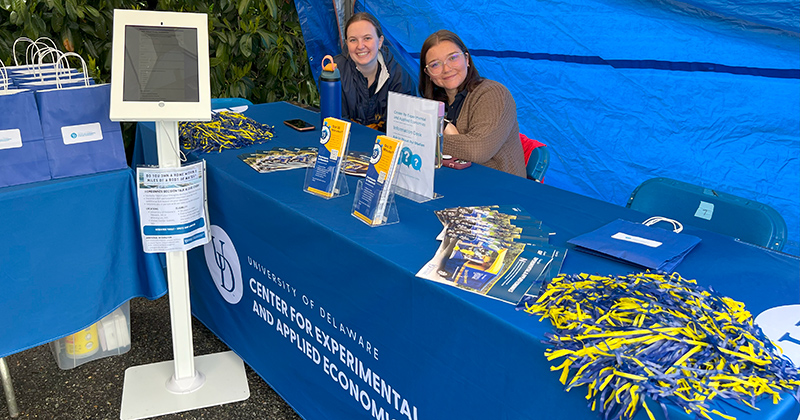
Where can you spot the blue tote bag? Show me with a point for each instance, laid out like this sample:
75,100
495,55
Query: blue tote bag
60,75
23,155
638,243
79,136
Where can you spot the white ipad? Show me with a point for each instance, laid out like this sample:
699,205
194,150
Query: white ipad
160,67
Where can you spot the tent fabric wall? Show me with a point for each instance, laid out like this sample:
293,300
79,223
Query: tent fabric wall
707,92
319,23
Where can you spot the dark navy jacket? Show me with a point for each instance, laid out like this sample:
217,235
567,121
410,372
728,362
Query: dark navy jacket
357,104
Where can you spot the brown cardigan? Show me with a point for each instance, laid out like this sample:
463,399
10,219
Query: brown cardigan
488,130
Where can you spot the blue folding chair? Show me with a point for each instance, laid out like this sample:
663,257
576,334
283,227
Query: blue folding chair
538,162
747,220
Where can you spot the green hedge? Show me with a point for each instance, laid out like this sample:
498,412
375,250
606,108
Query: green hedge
256,46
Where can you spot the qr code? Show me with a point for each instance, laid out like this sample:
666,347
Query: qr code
381,177
334,154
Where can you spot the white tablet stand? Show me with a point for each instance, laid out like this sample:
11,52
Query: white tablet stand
138,94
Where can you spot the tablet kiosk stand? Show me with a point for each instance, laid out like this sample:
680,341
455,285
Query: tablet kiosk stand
151,43
176,386
389,214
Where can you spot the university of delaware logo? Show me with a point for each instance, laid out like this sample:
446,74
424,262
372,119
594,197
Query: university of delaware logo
377,151
325,135
781,324
223,264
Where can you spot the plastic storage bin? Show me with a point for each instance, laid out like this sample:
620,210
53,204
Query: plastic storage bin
108,337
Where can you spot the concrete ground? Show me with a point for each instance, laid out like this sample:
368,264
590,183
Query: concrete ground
94,390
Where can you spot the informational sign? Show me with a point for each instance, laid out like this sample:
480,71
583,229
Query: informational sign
418,122
172,207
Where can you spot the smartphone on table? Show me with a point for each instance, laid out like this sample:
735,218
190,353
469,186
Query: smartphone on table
299,124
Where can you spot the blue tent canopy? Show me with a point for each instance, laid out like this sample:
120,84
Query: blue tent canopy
622,91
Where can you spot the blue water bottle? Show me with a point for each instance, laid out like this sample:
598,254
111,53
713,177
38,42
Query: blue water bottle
330,91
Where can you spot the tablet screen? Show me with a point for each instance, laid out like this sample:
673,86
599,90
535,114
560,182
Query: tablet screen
161,64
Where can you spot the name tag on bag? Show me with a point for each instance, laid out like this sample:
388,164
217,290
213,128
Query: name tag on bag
636,239
82,133
10,139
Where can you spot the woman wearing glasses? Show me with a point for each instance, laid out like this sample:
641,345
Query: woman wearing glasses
481,113
368,72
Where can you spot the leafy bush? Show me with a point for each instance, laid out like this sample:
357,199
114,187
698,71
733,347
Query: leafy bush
256,46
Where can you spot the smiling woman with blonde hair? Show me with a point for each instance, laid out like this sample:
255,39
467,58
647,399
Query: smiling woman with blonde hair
368,72
482,114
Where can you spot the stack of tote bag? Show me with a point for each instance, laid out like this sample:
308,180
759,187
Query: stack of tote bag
41,73
74,130
23,156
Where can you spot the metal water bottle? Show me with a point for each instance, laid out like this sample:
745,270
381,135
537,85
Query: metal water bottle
330,91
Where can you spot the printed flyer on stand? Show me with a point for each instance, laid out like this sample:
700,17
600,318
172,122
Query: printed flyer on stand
333,141
370,206
172,207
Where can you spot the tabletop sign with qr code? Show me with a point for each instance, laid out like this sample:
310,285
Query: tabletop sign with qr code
418,122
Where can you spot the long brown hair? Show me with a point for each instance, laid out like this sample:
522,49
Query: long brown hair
427,88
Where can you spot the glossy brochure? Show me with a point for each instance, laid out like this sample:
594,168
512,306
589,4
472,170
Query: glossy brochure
495,251
324,178
378,185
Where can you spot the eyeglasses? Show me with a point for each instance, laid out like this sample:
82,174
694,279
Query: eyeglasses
437,66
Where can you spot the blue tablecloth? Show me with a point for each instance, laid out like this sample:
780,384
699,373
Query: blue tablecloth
329,311
71,254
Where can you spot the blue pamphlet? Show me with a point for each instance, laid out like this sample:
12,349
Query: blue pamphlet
333,145
369,206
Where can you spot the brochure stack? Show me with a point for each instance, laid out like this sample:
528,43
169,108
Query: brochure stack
324,178
376,192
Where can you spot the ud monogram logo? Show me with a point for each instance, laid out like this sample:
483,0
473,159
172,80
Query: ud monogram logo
325,135
782,325
223,264
376,154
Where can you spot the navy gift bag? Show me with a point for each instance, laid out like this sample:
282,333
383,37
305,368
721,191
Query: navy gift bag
23,156
641,244
79,136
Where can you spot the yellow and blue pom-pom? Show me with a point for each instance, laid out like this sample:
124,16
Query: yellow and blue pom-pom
226,130
659,336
